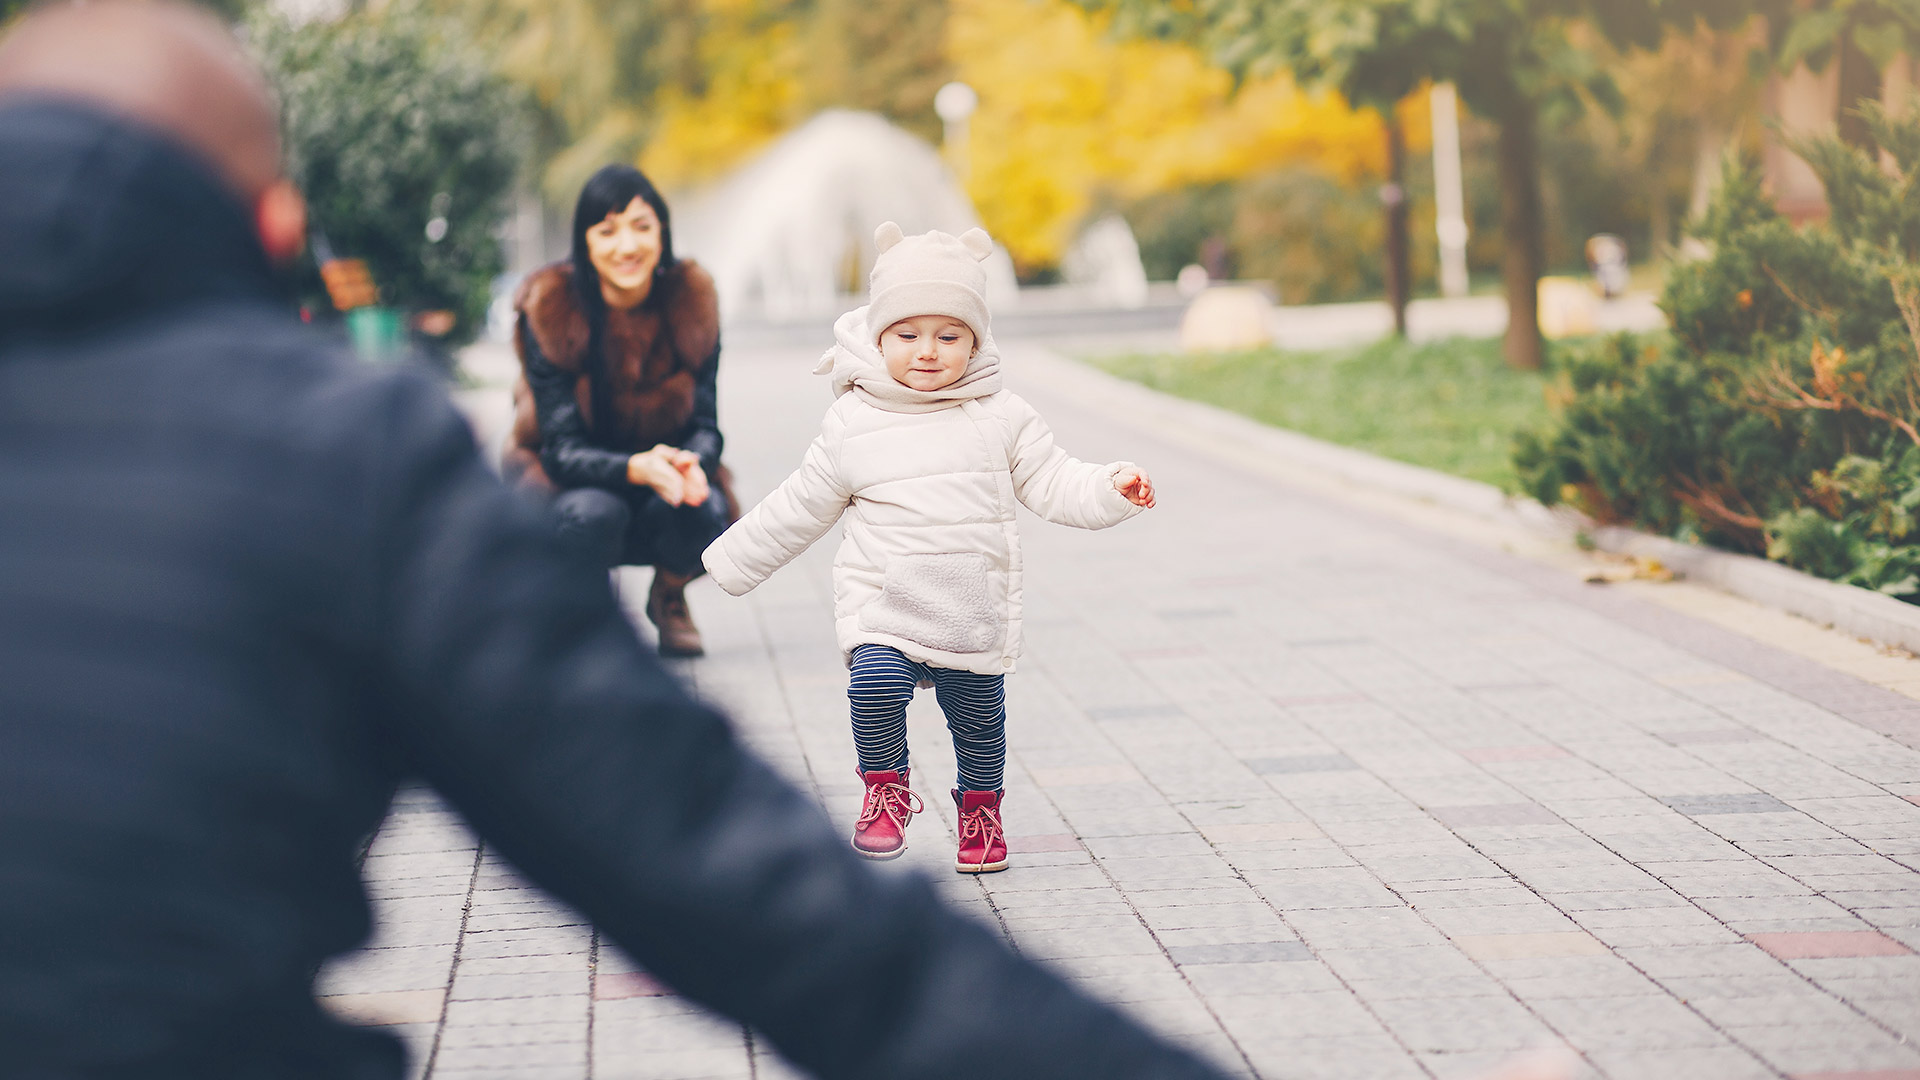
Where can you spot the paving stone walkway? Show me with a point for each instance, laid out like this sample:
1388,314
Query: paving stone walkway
1313,791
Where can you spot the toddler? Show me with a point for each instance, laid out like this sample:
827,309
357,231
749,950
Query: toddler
925,453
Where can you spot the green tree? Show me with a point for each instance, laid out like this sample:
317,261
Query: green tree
1511,59
1861,36
596,69
407,146
888,56
612,76
765,66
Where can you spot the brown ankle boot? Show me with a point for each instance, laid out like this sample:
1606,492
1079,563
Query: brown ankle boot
667,610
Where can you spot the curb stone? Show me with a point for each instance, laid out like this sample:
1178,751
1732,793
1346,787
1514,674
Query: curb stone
1240,439
1849,608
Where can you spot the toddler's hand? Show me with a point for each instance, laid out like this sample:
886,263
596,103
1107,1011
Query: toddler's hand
1133,483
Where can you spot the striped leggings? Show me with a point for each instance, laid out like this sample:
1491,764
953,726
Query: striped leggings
882,683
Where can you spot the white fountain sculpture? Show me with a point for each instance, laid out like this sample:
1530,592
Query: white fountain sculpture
1105,262
790,235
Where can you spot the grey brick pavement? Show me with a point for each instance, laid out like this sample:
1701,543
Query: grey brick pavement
1313,792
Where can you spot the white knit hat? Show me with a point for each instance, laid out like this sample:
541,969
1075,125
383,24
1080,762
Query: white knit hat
933,273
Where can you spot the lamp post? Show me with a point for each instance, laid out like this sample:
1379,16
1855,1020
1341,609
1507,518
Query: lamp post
1450,220
955,103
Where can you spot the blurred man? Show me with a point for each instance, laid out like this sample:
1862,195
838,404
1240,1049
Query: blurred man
247,586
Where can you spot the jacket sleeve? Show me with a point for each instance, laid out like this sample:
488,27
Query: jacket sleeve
571,460
1055,485
509,679
786,522
702,434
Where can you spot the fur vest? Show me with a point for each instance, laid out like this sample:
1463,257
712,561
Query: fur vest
653,355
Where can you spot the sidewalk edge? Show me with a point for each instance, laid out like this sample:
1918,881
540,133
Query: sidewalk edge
1225,434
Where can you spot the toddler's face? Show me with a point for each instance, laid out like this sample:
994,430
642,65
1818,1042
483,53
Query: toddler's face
927,352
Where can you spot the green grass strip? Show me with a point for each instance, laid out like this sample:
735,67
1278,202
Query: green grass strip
1448,405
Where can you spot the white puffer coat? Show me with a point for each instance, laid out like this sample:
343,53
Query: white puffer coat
930,559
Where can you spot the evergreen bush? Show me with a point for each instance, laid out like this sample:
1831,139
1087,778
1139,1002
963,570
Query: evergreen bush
1781,414
407,146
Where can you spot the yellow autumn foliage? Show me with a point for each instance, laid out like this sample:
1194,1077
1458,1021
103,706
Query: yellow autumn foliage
766,66
1069,116
753,93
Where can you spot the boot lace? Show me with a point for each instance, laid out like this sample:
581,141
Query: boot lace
982,823
897,801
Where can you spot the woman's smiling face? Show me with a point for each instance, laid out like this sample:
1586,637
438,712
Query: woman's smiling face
624,247
927,352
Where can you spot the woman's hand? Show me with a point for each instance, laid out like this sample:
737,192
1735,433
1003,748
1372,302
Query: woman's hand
694,477
1133,483
673,474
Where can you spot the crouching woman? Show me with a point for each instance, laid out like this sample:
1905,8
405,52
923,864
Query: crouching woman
614,417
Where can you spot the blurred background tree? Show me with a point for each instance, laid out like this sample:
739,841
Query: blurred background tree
1072,123
769,65
696,85
1248,136
889,56
1511,59
232,9
408,147
595,69
1861,37
1641,170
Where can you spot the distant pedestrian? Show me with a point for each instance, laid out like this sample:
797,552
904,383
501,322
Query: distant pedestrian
615,415
926,454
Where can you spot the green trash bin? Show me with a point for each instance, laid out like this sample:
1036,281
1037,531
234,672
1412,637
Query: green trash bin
378,333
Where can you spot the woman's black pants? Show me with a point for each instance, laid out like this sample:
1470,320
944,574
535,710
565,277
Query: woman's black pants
638,528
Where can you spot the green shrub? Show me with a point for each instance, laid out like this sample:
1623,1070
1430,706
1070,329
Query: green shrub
1779,415
407,146
1173,226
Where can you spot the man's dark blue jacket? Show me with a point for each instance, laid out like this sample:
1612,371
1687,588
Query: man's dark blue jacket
247,586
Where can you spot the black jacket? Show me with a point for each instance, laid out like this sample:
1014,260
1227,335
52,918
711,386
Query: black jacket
248,585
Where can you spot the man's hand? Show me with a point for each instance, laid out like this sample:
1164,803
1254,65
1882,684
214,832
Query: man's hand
1133,483
674,474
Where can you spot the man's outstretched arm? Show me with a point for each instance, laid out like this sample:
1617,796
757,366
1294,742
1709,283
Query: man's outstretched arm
521,693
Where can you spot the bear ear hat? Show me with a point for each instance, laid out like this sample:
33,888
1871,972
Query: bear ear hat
975,240
887,235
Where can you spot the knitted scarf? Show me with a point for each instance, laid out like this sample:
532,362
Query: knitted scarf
855,364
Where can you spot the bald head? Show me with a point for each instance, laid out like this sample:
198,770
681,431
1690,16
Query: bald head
161,63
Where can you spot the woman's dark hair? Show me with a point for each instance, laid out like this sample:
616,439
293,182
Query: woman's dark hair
606,192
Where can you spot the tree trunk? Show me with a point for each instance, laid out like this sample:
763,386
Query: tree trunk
1393,196
1859,79
1521,227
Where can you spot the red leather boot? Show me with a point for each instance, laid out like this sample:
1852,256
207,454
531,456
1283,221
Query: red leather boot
881,831
983,843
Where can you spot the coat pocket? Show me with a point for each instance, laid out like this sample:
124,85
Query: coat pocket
940,600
